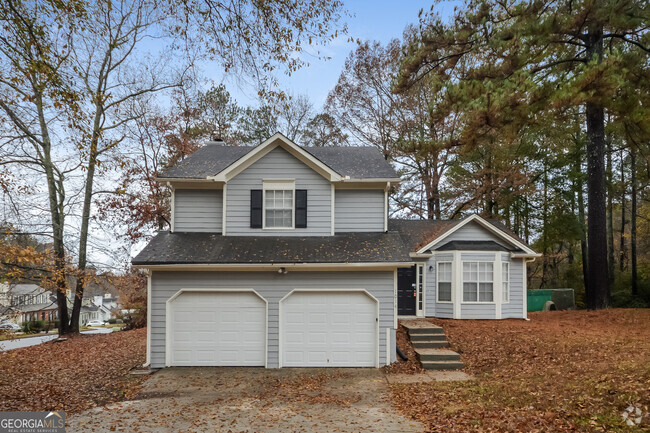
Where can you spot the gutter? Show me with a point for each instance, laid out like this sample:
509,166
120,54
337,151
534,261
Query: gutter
525,256
272,266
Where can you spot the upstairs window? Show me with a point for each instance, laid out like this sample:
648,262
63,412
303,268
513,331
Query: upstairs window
478,282
278,205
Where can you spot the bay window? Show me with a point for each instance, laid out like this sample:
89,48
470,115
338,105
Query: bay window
444,282
478,282
505,281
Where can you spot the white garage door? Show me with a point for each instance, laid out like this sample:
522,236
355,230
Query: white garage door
329,329
218,329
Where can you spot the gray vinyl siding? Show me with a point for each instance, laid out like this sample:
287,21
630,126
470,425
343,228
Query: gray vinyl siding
432,306
198,210
477,257
279,164
478,311
515,308
359,210
473,231
272,287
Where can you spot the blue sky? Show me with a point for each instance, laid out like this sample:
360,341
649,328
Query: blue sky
380,20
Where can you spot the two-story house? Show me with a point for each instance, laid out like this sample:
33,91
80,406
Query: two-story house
284,256
27,302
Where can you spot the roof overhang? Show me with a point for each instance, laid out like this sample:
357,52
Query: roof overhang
500,233
525,255
275,266
425,255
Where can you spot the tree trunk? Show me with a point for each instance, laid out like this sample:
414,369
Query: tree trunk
581,217
610,214
635,287
621,254
85,223
56,198
598,285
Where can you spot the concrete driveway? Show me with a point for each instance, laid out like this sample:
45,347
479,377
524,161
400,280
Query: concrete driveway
253,400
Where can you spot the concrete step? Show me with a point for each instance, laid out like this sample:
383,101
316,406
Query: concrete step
428,337
442,365
437,355
429,344
429,331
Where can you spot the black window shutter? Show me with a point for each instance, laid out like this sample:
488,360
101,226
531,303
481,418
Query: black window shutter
256,208
301,208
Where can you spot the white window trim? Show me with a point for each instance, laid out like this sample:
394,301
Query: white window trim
420,286
451,301
507,301
279,185
462,283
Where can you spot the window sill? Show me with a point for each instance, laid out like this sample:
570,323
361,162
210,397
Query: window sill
478,302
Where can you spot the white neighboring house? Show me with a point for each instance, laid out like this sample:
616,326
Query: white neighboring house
95,309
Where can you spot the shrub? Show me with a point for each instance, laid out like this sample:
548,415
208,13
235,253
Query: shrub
112,321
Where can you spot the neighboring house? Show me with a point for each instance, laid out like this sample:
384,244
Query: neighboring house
284,256
28,303
94,309
100,299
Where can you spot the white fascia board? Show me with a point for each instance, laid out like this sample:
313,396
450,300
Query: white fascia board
391,180
276,266
421,255
486,225
183,179
525,256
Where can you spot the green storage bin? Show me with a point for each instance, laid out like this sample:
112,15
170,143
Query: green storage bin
538,298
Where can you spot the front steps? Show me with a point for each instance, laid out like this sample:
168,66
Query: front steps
430,343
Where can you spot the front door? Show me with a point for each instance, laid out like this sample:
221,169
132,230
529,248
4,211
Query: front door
406,291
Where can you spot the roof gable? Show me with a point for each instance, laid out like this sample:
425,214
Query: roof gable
277,140
424,235
216,161
500,232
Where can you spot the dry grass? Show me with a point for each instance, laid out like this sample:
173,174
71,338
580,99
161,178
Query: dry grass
562,371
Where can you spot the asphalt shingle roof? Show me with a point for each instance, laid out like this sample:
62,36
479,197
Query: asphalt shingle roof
355,162
208,248
418,233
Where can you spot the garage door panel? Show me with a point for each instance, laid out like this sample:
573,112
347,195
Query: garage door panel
218,329
329,329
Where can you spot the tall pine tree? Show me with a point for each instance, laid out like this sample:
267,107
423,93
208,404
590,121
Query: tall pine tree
524,60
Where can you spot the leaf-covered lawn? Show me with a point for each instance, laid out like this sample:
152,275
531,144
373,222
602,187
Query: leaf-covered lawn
562,371
74,375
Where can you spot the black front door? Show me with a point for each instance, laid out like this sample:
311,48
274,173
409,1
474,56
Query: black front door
406,291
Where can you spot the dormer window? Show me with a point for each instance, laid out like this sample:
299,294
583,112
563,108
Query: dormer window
279,204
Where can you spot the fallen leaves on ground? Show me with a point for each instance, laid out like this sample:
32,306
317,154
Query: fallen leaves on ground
411,365
73,375
311,389
562,371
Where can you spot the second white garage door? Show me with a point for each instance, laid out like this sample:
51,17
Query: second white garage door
329,329
217,329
